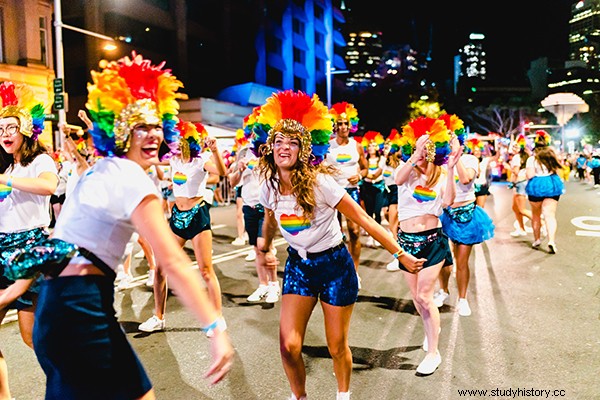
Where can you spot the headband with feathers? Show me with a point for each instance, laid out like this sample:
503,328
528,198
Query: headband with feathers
294,114
455,125
542,138
131,91
372,136
191,138
18,101
394,141
438,135
346,112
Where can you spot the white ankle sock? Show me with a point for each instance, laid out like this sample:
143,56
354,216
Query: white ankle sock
343,396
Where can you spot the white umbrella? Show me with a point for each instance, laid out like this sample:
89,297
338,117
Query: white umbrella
564,106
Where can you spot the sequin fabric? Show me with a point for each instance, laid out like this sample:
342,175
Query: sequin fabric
354,193
413,243
330,276
26,263
462,213
181,219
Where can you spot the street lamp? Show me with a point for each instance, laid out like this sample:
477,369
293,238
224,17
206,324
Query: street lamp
328,72
60,62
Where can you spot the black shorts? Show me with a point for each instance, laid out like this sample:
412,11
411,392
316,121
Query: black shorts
60,199
253,220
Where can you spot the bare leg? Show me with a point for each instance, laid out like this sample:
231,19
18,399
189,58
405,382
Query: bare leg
463,274
549,211
202,244
536,218
295,313
337,325
4,388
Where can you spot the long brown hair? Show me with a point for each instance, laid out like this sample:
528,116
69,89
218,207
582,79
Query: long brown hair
29,150
303,180
547,157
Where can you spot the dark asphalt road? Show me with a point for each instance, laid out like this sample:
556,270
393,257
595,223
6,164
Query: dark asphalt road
535,324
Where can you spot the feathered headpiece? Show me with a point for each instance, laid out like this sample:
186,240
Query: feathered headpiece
294,114
240,141
473,143
521,141
191,138
455,125
394,141
344,111
127,92
372,136
18,101
542,138
438,147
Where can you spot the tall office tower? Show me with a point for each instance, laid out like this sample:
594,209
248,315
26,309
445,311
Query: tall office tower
295,41
471,68
363,55
584,33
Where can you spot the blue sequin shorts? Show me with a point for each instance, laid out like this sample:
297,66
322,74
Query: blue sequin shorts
431,244
9,243
328,275
354,193
187,224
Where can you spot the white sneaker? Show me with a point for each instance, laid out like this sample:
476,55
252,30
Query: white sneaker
440,297
342,396
150,280
393,266
518,232
370,242
463,308
430,363
259,293
251,255
536,244
272,292
153,324
239,242
359,284
139,254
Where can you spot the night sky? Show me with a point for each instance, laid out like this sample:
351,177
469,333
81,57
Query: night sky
517,32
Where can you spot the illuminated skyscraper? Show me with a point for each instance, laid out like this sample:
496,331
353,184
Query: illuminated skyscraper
584,33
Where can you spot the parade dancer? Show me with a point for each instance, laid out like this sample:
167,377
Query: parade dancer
301,198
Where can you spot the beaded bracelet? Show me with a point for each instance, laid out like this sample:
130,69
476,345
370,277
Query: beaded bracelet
398,254
9,181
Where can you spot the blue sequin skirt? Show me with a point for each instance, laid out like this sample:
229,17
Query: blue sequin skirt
9,244
468,224
545,186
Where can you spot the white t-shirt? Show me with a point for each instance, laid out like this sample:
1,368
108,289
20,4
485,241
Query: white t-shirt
63,176
323,231
250,181
416,199
189,179
345,158
97,215
388,175
516,162
374,166
482,177
540,170
23,211
466,192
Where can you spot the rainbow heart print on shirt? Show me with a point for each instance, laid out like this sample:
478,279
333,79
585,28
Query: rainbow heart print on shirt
387,173
423,194
293,224
252,163
179,178
343,158
4,191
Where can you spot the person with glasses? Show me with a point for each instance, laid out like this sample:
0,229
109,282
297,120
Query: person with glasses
28,177
349,158
301,198
78,340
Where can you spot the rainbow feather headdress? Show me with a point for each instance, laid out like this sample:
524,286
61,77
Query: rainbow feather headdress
131,91
542,138
345,111
455,125
294,114
18,101
394,141
191,138
372,136
439,136
473,143
521,142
